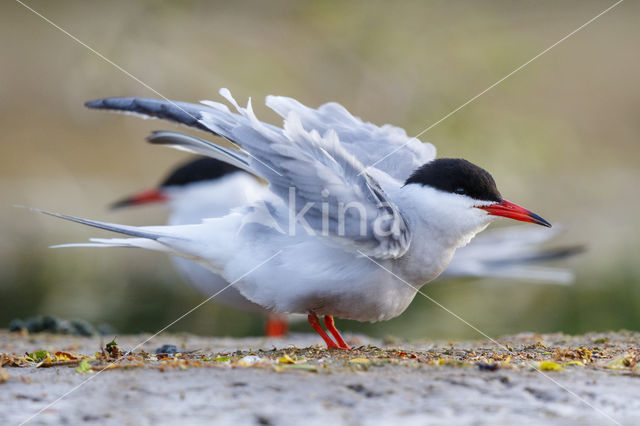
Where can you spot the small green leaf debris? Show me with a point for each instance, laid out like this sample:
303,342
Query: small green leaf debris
359,360
84,367
38,355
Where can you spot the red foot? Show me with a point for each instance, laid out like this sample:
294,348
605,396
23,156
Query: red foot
315,323
328,321
276,326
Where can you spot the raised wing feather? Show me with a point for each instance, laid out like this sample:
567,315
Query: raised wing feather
387,147
195,145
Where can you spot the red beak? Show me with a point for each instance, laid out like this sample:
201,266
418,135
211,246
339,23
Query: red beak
144,197
514,211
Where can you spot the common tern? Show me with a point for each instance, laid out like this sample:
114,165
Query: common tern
359,218
205,187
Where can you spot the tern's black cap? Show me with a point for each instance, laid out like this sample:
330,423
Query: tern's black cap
457,176
199,170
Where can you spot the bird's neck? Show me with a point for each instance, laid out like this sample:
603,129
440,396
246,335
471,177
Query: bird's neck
436,232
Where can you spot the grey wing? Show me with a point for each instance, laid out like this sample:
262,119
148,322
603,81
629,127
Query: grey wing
515,253
387,147
312,173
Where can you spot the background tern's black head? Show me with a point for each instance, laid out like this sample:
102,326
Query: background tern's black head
198,170
458,177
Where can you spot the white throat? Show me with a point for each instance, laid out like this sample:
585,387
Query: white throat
440,222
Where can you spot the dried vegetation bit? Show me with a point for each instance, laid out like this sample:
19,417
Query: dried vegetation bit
452,362
629,360
42,359
111,350
572,354
537,346
11,360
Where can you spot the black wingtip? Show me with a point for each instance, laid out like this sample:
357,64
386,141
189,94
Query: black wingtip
549,255
562,252
178,112
95,104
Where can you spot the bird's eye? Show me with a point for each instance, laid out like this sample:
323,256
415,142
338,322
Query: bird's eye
461,191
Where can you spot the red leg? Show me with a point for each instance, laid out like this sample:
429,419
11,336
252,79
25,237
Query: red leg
276,326
315,323
328,321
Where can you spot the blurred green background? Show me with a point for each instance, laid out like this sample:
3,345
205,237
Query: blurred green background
560,137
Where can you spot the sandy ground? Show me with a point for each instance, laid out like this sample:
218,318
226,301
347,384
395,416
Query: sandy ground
550,379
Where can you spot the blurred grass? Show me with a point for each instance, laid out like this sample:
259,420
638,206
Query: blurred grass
560,137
